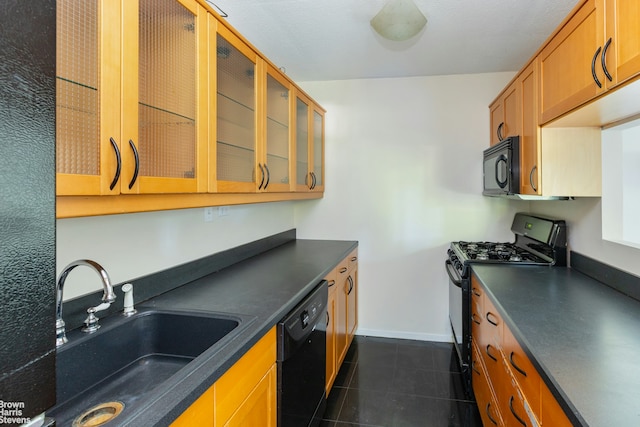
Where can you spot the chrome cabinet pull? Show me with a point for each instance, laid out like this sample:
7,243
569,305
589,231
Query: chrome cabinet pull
137,167
350,279
119,163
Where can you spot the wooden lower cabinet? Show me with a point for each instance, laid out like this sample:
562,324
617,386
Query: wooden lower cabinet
508,389
332,358
342,308
244,396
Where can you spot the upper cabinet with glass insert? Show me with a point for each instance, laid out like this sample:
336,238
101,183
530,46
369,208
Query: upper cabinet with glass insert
129,92
252,150
163,97
235,150
309,145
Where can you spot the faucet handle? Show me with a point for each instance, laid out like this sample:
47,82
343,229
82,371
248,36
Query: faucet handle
91,322
61,336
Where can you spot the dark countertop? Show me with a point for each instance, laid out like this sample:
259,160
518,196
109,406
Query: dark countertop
265,287
583,337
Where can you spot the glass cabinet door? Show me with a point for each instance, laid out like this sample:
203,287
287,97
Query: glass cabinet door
160,146
235,148
277,163
87,117
318,150
303,178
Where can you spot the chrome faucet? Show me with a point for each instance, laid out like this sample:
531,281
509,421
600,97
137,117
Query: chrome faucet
91,322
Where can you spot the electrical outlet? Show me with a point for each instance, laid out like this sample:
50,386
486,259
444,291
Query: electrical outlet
208,214
223,210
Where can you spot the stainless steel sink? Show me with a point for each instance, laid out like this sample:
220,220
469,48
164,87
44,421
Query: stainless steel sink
128,359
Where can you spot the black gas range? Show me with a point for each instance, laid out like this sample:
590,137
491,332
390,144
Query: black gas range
538,241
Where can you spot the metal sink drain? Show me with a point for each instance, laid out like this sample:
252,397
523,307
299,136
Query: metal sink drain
99,414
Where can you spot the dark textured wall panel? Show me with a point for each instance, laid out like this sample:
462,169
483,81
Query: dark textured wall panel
27,203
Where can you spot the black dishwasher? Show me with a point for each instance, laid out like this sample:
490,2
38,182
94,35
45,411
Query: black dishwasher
302,361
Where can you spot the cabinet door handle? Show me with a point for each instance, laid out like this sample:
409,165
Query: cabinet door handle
328,317
473,366
136,156
118,165
533,169
262,174
353,259
268,176
493,322
343,270
520,420
499,131
489,414
517,368
350,279
593,67
476,319
476,292
331,283
489,353
604,60
313,180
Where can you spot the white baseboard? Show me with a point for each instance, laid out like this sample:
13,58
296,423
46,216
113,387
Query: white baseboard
404,335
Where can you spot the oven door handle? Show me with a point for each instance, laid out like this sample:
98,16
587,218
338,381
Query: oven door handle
453,274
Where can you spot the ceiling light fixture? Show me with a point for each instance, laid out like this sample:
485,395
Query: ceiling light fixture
399,20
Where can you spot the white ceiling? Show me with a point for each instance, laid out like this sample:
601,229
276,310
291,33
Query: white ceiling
332,39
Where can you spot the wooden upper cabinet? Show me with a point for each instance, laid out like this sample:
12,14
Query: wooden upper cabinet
164,90
129,94
87,97
309,140
276,165
570,68
235,151
505,115
623,29
527,82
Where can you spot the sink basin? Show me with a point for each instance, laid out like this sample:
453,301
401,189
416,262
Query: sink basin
127,360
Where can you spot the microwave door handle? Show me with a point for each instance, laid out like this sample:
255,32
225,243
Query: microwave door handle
501,158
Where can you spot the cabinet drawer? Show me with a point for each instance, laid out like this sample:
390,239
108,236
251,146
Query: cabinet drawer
522,370
232,389
484,396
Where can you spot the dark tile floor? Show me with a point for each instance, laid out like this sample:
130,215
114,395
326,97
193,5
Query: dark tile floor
399,383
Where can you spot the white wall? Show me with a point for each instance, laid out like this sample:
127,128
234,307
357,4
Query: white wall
403,178
404,167
134,245
584,223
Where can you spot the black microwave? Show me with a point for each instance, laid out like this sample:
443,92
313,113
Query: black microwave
501,168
